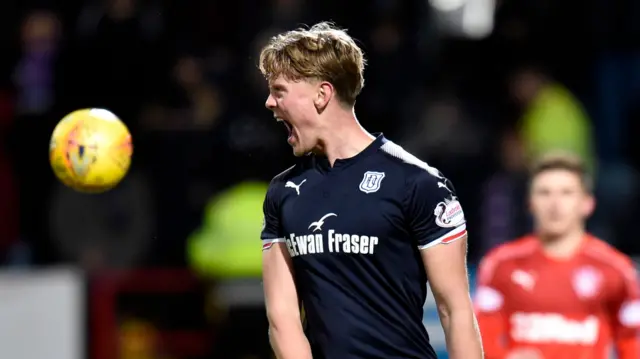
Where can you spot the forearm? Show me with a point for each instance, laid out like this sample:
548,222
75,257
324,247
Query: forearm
289,342
462,334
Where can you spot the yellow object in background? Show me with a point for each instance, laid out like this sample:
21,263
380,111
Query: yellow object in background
90,150
228,245
555,121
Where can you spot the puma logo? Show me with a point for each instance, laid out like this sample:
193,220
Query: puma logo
296,187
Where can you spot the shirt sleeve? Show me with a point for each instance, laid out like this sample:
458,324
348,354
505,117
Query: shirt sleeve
626,314
271,226
489,307
435,214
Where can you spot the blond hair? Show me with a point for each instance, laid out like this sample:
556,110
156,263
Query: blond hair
322,52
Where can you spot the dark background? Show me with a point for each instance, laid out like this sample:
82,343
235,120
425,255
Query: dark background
182,75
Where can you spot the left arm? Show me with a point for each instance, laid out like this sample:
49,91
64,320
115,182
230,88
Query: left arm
447,272
626,313
437,222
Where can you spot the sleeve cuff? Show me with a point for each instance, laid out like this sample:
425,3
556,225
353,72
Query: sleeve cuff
269,242
448,237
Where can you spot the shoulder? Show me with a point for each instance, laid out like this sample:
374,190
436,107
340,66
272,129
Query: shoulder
505,253
419,178
274,191
609,257
409,165
290,173
284,176
425,190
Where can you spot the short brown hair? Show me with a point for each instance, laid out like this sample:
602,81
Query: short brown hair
322,52
564,161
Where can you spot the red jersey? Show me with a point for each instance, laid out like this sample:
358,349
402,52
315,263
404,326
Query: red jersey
576,308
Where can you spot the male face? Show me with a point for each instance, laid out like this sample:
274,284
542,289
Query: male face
559,202
292,103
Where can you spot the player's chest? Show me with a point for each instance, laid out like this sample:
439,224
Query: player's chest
341,215
541,288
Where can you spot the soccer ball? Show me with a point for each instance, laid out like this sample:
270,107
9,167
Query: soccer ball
90,150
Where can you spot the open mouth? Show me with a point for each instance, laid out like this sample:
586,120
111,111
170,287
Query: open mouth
287,125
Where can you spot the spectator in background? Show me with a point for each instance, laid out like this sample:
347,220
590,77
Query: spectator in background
223,251
34,72
35,82
503,214
553,119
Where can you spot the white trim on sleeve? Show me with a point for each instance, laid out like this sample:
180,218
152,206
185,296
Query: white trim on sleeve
447,238
268,243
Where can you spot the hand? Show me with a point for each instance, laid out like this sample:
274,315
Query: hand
527,353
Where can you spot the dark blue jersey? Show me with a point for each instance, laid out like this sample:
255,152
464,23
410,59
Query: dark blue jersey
354,233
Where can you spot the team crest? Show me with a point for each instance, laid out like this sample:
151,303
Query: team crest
587,282
449,213
371,181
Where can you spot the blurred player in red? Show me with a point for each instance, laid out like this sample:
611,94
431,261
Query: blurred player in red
560,292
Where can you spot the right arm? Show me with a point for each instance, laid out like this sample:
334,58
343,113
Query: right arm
625,312
285,326
281,297
489,303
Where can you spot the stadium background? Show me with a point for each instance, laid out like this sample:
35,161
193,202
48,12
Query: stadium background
163,267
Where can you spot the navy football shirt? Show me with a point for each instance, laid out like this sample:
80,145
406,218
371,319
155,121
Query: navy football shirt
354,232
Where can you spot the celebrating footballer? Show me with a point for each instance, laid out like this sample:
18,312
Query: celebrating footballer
355,229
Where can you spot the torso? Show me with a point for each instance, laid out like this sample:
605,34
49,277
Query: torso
358,270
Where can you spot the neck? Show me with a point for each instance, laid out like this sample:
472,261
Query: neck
564,246
345,138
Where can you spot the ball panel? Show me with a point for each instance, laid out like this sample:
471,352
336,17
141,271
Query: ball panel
59,147
91,150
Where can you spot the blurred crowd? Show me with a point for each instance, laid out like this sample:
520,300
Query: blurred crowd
182,75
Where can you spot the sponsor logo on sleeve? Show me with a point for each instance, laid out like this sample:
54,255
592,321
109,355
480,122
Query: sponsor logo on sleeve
629,315
449,213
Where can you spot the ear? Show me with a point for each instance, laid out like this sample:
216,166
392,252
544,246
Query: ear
588,206
324,95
